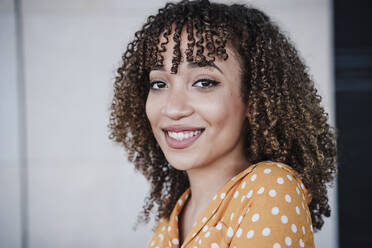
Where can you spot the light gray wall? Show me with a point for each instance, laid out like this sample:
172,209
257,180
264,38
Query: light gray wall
82,192
10,212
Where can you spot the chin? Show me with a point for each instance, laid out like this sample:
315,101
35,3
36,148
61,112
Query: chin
183,163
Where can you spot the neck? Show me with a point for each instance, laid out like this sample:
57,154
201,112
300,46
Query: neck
206,181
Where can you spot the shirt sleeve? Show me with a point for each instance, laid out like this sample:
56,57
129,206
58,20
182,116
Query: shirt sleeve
277,214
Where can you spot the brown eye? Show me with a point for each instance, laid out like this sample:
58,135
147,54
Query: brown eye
156,85
206,83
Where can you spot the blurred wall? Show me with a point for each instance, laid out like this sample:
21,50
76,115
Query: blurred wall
80,190
10,162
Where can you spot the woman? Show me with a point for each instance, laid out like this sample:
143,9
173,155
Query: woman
216,109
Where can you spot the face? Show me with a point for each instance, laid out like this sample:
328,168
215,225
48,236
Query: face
197,114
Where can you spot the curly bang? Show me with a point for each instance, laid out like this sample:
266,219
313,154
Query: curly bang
286,122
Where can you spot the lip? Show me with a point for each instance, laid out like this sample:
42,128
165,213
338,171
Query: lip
179,128
181,144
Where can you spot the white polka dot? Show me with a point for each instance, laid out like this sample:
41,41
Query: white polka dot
175,241
284,219
303,229
298,191
311,228
303,197
288,241
255,217
275,210
200,241
261,190
214,197
287,198
176,218
232,179
205,228
236,194
240,219
302,186
266,231
161,236
243,198
294,228
222,195
276,245
289,177
180,202
152,243
249,195
239,232
204,219
303,206
279,165
207,234
272,193
243,184
250,234
231,216
267,171
214,245
230,232
301,243
169,228
253,177
194,235
219,226
280,180
297,210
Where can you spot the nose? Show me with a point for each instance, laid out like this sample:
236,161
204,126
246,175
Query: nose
178,105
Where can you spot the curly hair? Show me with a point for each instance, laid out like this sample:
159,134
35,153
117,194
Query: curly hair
286,121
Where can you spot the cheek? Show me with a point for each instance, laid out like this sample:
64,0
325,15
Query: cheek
224,111
215,113
151,110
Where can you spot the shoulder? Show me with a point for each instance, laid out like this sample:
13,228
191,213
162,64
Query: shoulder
273,209
272,169
270,177
159,233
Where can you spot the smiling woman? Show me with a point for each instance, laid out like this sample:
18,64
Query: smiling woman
217,111
205,101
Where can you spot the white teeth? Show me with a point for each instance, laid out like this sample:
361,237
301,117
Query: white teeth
183,135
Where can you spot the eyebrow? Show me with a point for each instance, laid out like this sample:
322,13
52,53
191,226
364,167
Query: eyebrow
189,65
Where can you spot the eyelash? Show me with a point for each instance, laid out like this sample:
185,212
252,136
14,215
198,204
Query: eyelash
213,83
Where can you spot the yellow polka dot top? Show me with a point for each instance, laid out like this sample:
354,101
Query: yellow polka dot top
264,206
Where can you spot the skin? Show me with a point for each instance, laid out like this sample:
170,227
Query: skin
182,99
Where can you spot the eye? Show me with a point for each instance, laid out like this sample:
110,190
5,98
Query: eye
156,85
206,83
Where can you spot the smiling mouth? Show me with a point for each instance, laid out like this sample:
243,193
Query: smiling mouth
183,135
181,140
